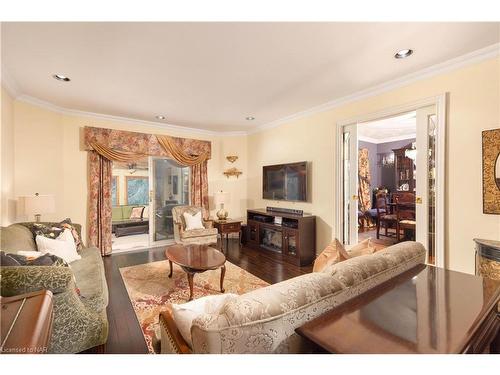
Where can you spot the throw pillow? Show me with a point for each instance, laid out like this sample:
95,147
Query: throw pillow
193,221
136,212
53,231
186,313
64,246
21,260
67,224
363,248
333,253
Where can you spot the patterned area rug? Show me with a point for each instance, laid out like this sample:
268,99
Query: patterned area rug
150,289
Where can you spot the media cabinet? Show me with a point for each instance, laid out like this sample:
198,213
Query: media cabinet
293,241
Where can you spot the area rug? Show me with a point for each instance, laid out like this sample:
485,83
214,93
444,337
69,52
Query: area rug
150,289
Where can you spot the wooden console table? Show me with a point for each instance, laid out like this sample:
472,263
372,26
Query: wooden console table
424,310
26,324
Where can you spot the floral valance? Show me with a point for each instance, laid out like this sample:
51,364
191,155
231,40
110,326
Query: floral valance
142,143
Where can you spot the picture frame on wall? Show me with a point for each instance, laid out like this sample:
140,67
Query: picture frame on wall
491,171
136,190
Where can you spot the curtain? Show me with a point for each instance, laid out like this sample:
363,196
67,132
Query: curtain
101,157
99,210
364,180
199,187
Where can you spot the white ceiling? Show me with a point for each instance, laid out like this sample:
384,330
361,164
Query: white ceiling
389,129
212,75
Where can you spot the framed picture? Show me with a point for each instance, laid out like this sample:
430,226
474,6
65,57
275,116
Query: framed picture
491,171
137,190
114,191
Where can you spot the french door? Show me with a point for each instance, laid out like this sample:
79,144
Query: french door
425,172
169,187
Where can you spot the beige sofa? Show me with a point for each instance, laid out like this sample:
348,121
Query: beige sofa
264,320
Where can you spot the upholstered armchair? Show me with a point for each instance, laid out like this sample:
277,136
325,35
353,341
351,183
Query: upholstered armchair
205,236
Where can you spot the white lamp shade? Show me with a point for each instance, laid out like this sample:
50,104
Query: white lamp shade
38,204
221,197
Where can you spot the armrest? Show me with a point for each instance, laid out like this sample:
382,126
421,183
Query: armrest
26,279
208,223
171,339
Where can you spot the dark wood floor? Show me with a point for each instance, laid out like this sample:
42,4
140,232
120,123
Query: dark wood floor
125,335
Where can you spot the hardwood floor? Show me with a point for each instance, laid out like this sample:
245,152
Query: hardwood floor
125,335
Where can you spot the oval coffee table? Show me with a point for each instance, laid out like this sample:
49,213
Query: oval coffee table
196,259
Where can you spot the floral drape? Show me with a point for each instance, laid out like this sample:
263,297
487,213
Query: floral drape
107,145
99,209
364,180
199,187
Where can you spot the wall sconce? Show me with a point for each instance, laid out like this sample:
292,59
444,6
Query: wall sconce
232,158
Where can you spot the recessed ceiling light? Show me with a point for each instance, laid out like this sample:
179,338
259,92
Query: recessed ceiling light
250,118
160,117
61,77
403,53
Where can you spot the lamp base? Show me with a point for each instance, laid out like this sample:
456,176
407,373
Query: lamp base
38,218
222,214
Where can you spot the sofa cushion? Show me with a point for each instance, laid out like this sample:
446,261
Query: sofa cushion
199,233
185,313
126,211
16,238
90,278
116,213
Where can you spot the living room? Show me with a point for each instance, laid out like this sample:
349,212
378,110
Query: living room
183,173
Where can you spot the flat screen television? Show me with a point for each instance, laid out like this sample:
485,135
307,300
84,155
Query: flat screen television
286,182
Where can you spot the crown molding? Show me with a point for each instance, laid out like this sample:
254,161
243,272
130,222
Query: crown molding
468,59
473,57
100,116
9,84
386,140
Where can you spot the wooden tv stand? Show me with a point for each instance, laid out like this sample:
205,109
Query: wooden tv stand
294,241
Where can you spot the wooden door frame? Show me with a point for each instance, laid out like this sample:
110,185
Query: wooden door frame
440,102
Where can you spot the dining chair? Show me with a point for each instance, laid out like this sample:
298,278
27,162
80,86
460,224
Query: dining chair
384,217
405,214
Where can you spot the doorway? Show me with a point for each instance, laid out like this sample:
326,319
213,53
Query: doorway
391,178
143,195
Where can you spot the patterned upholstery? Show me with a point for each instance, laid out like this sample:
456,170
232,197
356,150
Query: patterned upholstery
80,320
264,320
197,236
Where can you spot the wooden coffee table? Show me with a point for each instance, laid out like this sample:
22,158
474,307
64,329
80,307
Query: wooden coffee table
196,259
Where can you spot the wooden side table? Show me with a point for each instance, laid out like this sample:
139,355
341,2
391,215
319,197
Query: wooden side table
228,226
26,323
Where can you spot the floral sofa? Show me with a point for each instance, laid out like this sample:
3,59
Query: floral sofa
264,320
80,292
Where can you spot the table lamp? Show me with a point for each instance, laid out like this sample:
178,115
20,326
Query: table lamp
37,205
221,197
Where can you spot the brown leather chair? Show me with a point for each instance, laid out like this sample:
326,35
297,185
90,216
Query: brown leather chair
384,217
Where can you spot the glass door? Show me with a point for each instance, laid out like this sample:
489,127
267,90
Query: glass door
169,184
350,184
426,179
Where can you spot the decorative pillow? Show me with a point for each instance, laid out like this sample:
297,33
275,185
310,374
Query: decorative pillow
363,248
186,313
39,229
193,221
67,224
333,253
136,212
63,246
21,260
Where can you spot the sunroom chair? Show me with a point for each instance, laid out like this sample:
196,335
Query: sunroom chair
205,236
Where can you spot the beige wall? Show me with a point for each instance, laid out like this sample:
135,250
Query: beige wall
48,158
472,107
50,161
7,202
